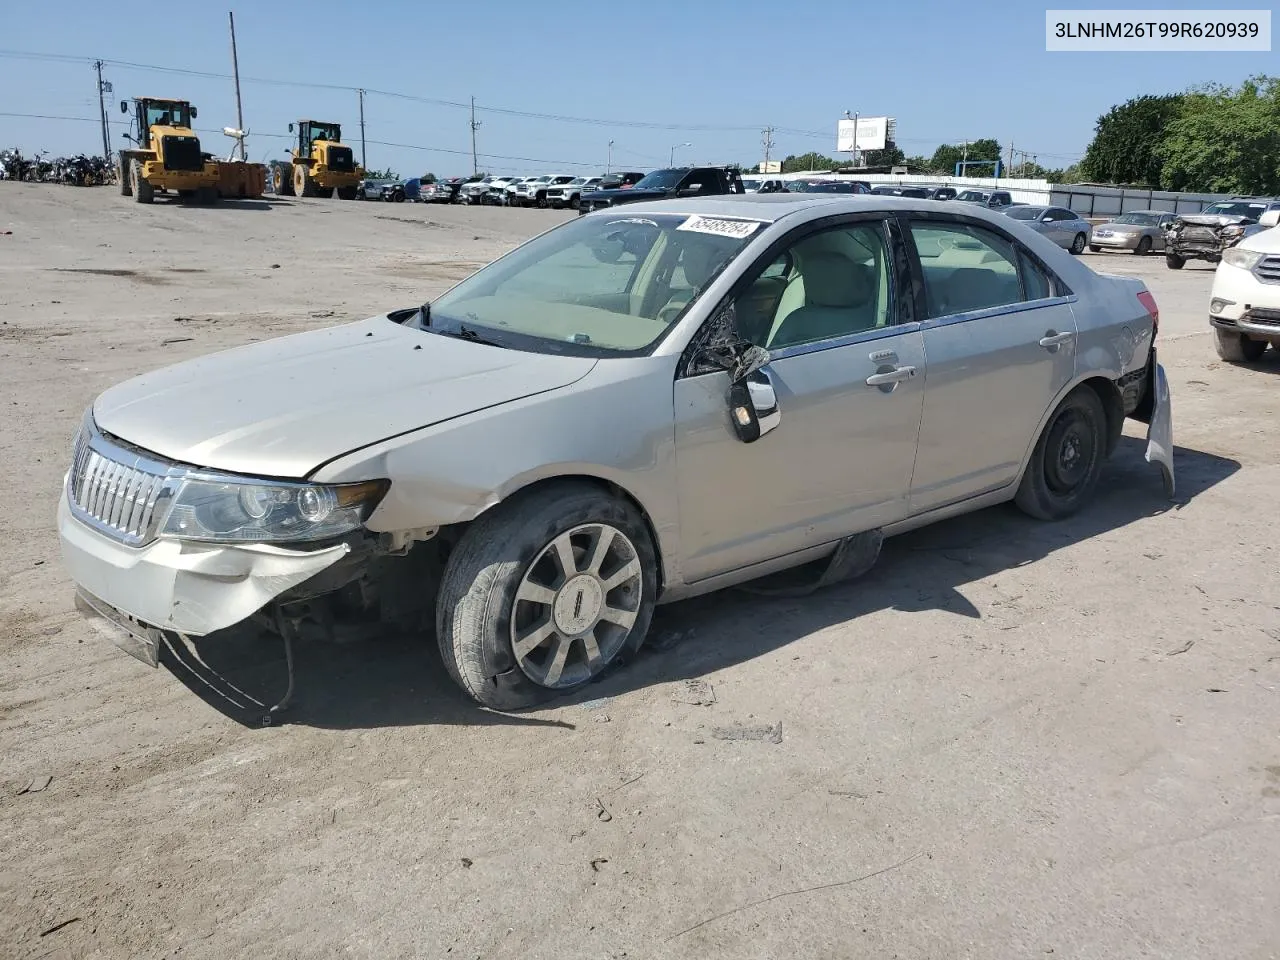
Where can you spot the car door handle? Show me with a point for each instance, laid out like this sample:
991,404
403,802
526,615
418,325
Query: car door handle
1050,340
897,375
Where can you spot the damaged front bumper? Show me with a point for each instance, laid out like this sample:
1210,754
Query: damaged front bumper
188,588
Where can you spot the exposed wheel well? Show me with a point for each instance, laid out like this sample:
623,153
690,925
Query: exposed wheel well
1112,403
614,490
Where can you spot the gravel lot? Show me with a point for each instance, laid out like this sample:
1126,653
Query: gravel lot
1011,739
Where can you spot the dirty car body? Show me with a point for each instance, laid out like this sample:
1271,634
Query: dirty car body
1219,227
548,445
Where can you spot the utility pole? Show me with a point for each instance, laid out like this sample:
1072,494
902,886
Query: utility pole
364,161
475,162
768,146
235,69
608,164
102,109
1010,156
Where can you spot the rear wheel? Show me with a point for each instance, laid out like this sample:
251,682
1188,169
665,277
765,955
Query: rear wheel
1236,347
282,181
1067,460
1143,247
1173,261
206,196
1078,244
143,192
398,196
122,174
346,193
544,594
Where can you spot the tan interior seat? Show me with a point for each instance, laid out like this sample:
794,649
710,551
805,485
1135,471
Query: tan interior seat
839,300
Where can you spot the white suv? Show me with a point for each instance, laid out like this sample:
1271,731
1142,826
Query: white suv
1244,307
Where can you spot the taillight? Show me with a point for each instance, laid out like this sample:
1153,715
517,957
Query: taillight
1147,300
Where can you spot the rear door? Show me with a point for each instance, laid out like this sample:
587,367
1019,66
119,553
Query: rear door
999,334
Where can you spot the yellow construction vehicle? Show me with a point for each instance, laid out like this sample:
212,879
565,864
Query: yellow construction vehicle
166,156
321,163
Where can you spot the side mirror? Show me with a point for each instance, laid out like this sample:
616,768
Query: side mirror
124,106
1270,219
291,128
753,406
194,113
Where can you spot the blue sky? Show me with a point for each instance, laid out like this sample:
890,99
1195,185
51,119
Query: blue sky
720,70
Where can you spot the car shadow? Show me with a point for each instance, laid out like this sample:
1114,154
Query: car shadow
1269,362
397,680
918,571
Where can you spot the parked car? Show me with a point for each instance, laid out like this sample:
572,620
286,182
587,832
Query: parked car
1244,306
527,191
672,182
987,198
398,191
435,192
371,189
621,181
838,186
1138,231
942,193
1064,227
1217,228
763,185
509,192
903,190
566,193
474,191
496,192
455,184
803,185
621,374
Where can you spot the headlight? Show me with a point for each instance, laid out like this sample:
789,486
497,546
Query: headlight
235,510
1244,259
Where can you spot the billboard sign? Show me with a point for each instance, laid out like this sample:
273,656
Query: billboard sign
770,166
873,132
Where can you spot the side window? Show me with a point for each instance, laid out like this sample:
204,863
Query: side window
966,268
829,284
1034,281
1060,214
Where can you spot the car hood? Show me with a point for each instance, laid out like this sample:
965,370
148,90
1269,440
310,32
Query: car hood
283,407
1210,219
1266,240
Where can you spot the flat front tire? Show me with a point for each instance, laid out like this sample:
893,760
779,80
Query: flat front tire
544,594
1236,347
1067,460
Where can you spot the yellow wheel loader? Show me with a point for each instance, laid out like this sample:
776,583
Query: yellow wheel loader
166,157
321,163
166,153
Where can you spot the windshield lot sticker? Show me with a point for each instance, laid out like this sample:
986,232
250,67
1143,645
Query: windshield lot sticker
738,229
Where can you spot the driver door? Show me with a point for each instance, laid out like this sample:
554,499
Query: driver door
833,307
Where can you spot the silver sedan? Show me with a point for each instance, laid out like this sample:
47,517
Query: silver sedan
1139,231
1064,227
632,408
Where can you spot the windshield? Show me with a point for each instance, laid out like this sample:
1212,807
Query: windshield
1224,208
169,114
598,285
1024,213
325,131
973,196
1139,219
660,180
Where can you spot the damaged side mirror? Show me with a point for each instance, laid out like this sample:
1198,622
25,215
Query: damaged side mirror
753,401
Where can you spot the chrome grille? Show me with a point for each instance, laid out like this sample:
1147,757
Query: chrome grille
119,493
1194,233
1268,270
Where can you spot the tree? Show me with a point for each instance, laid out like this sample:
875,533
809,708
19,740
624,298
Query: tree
387,174
1226,141
948,155
1069,174
890,156
1127,139
428,178
807,161
918,163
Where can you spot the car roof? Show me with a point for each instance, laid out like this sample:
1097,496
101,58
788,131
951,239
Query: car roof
771,207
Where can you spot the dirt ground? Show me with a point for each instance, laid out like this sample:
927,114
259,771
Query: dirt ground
1011,739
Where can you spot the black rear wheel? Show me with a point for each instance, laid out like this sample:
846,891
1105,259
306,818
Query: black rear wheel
1067,460
1143,247
1173,261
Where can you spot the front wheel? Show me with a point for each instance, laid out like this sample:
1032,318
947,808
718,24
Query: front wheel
1236,347
544,594
1067,460
1143,247
1078,244
1173,261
